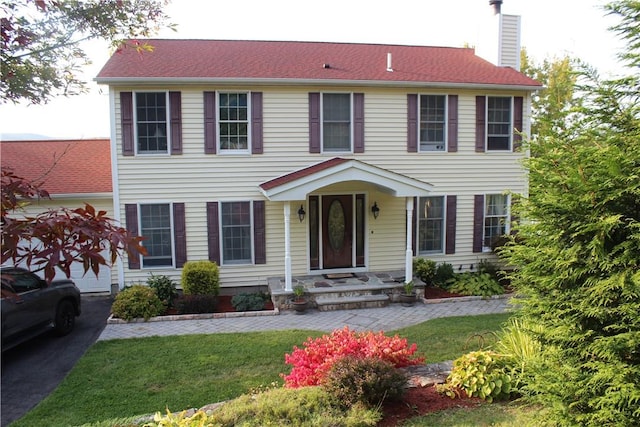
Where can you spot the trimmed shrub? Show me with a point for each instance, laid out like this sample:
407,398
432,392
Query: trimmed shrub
195,304
479,374
249,302
444,273
137,301
311,363
425,269
165,288
369,381
200,278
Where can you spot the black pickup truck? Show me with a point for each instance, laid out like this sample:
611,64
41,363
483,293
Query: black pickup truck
31,306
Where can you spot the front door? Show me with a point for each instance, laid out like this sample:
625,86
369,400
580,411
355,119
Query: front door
337,231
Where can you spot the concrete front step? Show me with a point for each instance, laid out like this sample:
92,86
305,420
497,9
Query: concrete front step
352,302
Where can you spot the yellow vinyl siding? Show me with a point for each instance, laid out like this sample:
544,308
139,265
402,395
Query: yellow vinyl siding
195,178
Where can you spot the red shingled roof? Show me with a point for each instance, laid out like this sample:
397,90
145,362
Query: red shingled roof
301,173
76,166
279,60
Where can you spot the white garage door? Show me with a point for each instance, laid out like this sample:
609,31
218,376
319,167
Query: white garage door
89,282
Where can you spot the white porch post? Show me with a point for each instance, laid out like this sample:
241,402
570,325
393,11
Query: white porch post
287,247
408,261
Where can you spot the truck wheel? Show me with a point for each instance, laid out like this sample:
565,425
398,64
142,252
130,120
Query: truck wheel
65,318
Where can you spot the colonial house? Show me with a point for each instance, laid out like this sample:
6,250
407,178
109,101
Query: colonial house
74,172
285,159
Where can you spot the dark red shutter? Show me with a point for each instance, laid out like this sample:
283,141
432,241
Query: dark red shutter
256,123
126,118
452,124
450,241
478,222
180,234
213,232
175,107
314,122
414,226
481,107
412,123
131,218
209,122
358,122
313,216
259,235
517,122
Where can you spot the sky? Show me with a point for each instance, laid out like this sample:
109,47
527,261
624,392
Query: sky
550,28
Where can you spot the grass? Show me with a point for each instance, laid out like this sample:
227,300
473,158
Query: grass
123,378
494,415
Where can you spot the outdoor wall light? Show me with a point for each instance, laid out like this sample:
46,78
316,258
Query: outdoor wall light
375,210
301,213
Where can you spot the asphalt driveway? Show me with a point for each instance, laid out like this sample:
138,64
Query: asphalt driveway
31,371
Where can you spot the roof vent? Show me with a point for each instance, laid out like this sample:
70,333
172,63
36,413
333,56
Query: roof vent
389,67
325,65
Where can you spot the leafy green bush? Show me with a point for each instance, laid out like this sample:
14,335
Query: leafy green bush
249,302
425,269
200,278
165,288
137,301
479,374
444,273
368,380
307,406
481,284
194,304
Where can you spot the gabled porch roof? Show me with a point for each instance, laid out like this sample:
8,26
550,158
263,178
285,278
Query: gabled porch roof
297,184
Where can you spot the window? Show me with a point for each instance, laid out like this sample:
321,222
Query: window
151,122
155,227
498,123
431,215
236,232
233,121
432,122
336,122
496,214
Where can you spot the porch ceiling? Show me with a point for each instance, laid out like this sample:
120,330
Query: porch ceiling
297,184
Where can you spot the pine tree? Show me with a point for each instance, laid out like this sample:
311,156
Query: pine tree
577,251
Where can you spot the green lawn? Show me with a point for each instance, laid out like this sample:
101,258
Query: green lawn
123,378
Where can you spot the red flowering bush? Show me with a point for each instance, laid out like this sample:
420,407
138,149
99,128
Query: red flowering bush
312,362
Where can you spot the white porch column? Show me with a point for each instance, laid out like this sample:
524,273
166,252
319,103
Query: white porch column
287,247
408,261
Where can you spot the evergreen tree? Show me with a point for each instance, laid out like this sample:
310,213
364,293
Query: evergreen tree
577,254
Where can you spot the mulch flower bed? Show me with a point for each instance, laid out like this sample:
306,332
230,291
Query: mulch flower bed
421,401
435,292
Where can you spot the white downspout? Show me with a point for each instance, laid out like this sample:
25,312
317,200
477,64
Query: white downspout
115,181
287,247
408,260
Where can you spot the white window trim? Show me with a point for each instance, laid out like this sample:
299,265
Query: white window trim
486,125
351,127
225,151
135,123
173,243
507,224
445,143
252,261
444,226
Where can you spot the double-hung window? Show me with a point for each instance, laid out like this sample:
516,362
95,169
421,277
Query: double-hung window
499,123
496,219
236,232
152,124
156,228
336,122
433,122
431,225
233,122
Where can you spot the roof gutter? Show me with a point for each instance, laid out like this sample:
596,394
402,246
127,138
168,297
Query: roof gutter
154,81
